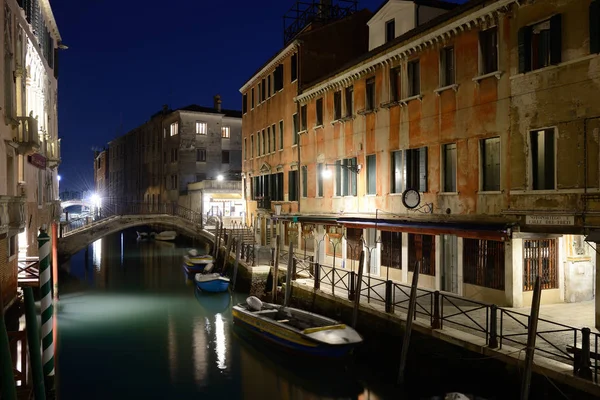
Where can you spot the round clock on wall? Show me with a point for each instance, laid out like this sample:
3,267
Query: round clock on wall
411,198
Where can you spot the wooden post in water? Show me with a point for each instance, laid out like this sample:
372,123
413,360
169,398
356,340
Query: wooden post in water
412,302
238,252
288,278
33,337
227,252
8,389
361,264
276,270
54,241
531,336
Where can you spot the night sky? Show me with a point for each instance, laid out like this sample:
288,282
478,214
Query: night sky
128,58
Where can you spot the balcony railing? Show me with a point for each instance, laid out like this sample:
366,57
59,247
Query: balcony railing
27,135
12,213
234,186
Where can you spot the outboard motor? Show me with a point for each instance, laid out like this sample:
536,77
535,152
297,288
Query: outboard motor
254,303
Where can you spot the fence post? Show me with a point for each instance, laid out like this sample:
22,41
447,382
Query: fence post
436,321
583,370
493,343
351,289
388,296
317,276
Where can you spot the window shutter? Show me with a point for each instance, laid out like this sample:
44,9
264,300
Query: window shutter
595,27
405,182
556,39
525,49
423,169
338,178
354,175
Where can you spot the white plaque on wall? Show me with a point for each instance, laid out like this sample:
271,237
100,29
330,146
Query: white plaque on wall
550,220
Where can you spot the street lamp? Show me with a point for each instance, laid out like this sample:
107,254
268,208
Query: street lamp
326,173
220,178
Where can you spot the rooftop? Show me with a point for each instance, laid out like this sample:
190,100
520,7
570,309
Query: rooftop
210,110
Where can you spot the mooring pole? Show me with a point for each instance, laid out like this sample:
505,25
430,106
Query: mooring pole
531,336
238,251
55,259
412,302
276,270
361,264
226,258
33,337
8,388
46,303
288,278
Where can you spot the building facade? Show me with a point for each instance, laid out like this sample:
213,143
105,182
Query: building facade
439,146
101,170
30,147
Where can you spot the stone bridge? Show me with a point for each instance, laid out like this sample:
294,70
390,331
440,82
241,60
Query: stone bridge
78,239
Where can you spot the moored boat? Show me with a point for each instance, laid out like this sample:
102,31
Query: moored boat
166,235
212,282
193,265
296,329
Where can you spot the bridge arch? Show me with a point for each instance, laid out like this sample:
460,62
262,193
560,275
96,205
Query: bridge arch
71,203
78,239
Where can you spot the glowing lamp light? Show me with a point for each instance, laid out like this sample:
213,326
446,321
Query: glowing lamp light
95,199
220,177
326,173
58,177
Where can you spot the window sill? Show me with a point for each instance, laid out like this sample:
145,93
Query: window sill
347,118
280,150
295,145
490,192
553,191
395,194
554,66
12,258
448,193
479,78
371,195
454,87
405,101
302,132
318,127
365,111
389,104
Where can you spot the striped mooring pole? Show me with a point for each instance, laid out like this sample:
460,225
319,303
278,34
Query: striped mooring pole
46,294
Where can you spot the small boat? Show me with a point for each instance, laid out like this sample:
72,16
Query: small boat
166,235
193,265
212,282
142,236
296,329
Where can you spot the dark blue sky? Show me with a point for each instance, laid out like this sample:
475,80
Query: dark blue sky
128,58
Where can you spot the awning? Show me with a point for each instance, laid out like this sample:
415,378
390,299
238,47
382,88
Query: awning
593,236
225,196
468,230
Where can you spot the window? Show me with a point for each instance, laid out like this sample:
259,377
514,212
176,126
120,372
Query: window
268,86
278,78
260,92
264,143
372,174
293,186
594,27
416,168
173,181
320,180
319,107
414,78
274,135
263,90
201,155
225,157
268,143
447,66
245,148
245,103
397,174
174,128
252,97
540,258
258,136
483,263
251,146
421,249
294,67
490,164
449,163
391,249
345,180
303,122
281,135
201,128
488,50
225,132
173,155
349,101
370,94
390,30
337,105
540,45
295,129
304,181
543,160
395,84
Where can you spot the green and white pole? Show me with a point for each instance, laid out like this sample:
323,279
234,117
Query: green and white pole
46,294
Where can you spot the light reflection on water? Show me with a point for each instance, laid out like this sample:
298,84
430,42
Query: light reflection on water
135,329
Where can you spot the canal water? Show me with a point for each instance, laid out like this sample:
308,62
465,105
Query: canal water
130,325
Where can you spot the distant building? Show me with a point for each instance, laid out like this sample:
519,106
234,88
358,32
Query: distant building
29,143
101,172
155,162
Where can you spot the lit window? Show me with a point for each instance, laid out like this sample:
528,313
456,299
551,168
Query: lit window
174,128
225,132
201,128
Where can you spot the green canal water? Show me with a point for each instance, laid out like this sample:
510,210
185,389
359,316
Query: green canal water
131,326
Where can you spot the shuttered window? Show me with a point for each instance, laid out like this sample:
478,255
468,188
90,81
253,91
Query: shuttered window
372,174
449,159
304,181
293,185
490,164
595,27
540,45
397,172
543,159
345,179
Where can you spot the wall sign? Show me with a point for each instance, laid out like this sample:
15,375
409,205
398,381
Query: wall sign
37,160
555,220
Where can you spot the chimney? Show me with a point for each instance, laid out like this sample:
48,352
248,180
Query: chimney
218,103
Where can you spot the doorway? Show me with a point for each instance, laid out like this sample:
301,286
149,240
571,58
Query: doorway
449,281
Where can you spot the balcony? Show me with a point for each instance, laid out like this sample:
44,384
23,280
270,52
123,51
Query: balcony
27,136
263,203
53,153
12,214
231,186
